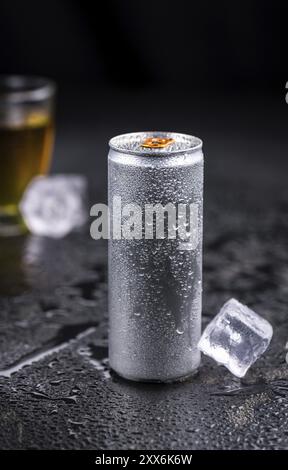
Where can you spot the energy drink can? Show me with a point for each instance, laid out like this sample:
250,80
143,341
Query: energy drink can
155,255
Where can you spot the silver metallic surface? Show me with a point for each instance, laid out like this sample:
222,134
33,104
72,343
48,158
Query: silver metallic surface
155,287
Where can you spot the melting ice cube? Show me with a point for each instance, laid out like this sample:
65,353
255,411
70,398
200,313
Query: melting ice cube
236,337
54,205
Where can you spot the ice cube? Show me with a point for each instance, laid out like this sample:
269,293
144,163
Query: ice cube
236,337
55,205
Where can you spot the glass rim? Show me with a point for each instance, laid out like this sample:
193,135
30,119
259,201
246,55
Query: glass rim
18,88
192,143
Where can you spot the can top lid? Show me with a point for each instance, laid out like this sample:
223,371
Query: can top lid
155,143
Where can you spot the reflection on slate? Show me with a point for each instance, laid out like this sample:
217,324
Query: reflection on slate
54,340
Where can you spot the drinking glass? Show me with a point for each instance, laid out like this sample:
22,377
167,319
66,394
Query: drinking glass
26,141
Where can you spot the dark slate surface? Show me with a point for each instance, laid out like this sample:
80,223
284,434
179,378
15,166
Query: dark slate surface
55,385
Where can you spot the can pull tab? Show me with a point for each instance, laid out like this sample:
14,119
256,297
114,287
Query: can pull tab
157,142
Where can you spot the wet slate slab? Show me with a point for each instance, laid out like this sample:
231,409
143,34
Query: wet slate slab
56,388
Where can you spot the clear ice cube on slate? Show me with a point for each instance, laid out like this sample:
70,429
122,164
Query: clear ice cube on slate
236,337
54,205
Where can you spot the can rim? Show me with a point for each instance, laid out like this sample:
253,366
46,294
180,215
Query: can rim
193,143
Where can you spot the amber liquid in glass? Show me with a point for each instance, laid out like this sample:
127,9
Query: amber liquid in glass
25,151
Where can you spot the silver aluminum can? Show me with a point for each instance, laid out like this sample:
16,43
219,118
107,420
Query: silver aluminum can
155,285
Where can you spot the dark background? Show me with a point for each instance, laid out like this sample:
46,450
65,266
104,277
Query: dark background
213,69
146,44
